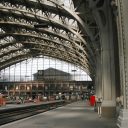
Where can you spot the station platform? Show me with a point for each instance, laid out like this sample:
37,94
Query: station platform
14,105
74,115
8,106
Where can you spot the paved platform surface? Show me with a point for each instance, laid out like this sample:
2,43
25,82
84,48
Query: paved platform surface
75,115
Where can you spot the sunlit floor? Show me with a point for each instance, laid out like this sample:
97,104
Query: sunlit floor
75,115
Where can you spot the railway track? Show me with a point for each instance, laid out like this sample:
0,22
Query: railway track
13,114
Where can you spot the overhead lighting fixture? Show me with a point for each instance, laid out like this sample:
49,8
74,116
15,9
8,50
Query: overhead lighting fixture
42,25
74,70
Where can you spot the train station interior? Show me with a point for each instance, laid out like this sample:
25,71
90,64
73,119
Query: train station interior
64,63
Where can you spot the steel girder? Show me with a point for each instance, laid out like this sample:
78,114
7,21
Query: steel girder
63,35
85,13
15,47
19,58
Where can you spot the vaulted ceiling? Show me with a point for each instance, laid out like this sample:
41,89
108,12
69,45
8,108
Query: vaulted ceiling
29,28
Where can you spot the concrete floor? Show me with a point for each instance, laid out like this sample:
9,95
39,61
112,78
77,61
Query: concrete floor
75,115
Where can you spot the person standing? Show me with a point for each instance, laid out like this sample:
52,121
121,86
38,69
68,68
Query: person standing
99,103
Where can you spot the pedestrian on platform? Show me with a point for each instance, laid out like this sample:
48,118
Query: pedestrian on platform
99,104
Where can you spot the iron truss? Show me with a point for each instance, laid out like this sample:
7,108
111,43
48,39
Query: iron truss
69,34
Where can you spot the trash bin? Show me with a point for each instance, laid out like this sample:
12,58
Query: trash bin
92,100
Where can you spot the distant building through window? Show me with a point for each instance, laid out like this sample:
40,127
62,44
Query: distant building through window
24,71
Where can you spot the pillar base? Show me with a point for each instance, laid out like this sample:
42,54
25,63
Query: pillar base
122,121
109,112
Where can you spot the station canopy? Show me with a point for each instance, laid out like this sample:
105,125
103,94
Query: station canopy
62,29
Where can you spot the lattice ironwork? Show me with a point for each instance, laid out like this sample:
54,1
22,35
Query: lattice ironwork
66,33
